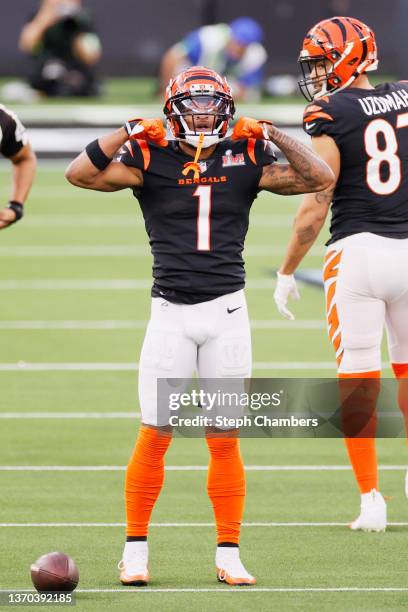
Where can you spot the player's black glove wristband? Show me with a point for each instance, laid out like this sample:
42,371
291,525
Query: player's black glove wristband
97,156
18,210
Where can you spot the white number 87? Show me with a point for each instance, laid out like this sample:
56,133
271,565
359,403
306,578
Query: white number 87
387,155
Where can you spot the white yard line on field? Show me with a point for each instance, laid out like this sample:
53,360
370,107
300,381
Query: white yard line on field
141,324
191,468
226,589
25,366
109,250
105,285
192,525
258,590
75,285
125,221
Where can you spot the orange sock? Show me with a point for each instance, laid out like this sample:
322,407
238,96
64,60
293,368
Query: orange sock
359,419
226,485
401,372
144,478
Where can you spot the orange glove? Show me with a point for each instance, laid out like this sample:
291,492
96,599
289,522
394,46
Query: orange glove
146,129
246,127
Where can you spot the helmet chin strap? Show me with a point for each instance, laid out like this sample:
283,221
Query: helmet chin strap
194,165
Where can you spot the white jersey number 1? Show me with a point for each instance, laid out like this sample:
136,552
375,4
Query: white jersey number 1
203,193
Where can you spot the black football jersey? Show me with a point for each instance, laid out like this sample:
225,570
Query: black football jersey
197,226
13,136
370,128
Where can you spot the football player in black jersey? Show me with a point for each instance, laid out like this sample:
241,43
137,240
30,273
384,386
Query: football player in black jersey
195,192
15,146
362,133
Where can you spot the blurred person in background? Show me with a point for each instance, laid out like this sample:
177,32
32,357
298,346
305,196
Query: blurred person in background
64,47
15,146
234,50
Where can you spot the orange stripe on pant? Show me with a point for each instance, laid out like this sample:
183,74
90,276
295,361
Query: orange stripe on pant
331,265
359,402
330,272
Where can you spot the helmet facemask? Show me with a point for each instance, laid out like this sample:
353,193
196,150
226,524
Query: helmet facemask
201,110
322,84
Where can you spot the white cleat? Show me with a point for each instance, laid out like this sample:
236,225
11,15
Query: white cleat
373,515
133,567
230,569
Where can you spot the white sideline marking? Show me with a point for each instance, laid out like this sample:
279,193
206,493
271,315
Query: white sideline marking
24,366
191,468
127,251
192,525
139,324
92,284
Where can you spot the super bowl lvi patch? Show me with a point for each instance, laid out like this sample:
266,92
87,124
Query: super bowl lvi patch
229,159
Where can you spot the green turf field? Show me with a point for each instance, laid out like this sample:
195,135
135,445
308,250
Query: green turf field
68,307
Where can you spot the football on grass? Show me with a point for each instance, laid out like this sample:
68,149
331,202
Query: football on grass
54,571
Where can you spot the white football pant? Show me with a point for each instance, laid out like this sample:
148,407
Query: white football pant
212,339
366,287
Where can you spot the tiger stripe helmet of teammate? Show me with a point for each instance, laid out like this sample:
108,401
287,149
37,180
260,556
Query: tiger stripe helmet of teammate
349,48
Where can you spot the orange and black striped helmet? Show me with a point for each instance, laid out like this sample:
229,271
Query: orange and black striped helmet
194,92
347,48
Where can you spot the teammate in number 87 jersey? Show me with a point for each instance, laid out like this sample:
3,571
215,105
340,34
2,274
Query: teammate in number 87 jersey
195,192
362,133
370,129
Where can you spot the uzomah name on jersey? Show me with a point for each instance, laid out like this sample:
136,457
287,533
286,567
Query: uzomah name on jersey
376,105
